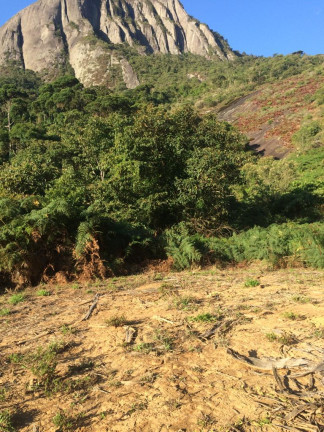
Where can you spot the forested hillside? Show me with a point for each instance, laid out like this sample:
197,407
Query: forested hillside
96,182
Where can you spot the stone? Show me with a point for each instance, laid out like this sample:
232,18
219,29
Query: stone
51,35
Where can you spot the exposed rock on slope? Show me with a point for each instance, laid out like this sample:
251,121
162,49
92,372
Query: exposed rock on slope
271,115
88,35
259,140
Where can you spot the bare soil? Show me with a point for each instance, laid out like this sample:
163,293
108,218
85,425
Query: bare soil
172,375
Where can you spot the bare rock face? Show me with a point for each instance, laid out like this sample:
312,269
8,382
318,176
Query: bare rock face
86,34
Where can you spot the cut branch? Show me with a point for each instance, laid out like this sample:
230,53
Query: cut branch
92,308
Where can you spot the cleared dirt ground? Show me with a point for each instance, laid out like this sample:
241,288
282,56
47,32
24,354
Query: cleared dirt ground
180,369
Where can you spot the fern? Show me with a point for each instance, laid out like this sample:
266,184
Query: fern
303,243
84,237
185,250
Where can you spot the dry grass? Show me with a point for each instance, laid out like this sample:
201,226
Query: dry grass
282,107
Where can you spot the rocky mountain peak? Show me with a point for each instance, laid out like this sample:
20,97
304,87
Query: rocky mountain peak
88,35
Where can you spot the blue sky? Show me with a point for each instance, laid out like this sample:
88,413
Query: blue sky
265,27
260,27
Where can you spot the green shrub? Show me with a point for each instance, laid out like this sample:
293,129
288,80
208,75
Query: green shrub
281,244
4,312
304,138
206,317
66,422
184,250
96,181
145,347
43,293
42,363
6,421
278,245
251,283
188,250
16,298
319,96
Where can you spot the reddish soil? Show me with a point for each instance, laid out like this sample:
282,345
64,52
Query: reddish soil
271,115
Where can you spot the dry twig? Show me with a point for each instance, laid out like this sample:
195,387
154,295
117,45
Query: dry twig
92,308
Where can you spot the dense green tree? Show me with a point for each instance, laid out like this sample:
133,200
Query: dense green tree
94,179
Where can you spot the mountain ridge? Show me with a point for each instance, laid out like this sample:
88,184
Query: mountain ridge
89,35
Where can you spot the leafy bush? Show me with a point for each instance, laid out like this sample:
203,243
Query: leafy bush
16,298
95,182
306,136
99,199
185,250
251,283
278,245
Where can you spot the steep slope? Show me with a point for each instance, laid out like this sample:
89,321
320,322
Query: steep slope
91,36
271,115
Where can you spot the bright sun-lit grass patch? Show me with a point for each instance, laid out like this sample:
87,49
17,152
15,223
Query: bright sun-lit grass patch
43,293
205,317
293,316
251,283
16,298
4,312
